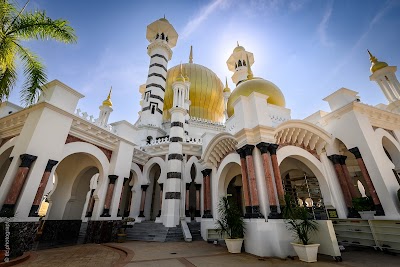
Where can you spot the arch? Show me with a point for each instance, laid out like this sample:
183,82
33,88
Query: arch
149,165
5,163
219,182
391,145
8,144
312,163
136,170
199,177
219,147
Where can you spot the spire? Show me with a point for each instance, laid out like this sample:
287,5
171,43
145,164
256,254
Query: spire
191,55
180,77
108,102
375,64
237,43
249,72
226,89
371,57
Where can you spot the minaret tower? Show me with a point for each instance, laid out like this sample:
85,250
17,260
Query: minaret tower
385,76
162,37
227,93
238,62
187,100
105,111
171,204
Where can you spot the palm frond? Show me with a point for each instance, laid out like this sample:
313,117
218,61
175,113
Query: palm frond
7,13
7,51
34,72
36,25
8,78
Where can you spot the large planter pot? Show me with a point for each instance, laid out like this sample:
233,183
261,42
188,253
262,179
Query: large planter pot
367,215
234,245
121,238
307,253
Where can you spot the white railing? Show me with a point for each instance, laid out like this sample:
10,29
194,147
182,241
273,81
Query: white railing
166,140
91,119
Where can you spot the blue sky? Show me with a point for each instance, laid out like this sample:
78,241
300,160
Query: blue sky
308,48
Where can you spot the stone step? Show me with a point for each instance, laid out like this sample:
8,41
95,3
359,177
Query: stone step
151,231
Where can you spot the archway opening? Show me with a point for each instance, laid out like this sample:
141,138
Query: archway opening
5,162
231,185
152,202
191,207
393,155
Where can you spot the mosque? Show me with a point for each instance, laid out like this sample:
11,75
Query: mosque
195,141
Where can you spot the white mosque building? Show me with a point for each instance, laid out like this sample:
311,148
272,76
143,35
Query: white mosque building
195,141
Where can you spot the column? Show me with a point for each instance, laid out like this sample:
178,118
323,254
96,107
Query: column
273,205
349,181
109,195
245,183
143,200
42,186
17,184
121,195
90,206
238,189
161,198
207,193
277,175
371,188
251,176
128,207
187,212
343,184
197,212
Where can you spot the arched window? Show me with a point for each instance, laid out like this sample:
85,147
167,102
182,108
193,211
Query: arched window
244,63
235,66
153,109
166,38
240,63
162,36
157,36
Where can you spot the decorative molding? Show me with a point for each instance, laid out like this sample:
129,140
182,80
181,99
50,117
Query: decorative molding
71,139
50,164
177,175
175,156
158,65
173,195
160,56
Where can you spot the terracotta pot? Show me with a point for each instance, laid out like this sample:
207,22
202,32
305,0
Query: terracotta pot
307,253
234,245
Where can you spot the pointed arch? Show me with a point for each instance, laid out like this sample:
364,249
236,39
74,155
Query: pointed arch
221,145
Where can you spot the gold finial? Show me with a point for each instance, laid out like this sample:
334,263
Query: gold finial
249,72
375,64
372,58
237,43
186,75
164,16
180,77
108,102
226,89
191,55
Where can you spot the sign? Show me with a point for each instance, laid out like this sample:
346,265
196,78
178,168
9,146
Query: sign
332,214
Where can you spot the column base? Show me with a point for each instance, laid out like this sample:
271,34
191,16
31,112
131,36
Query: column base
187,213
197,213
126,213
106,213
353,213
256,212
89,214
7,210
159,213
274,213
141,214
207,214
379,210
34,211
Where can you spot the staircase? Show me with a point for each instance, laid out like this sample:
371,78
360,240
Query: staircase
151,231
82,233
195,230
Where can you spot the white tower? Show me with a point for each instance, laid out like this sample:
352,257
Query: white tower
385,76
162,37
105,111
171,204
238,63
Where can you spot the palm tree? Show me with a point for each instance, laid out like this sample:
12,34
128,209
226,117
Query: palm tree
16,27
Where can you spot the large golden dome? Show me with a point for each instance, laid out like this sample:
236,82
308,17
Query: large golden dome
259,85
206,92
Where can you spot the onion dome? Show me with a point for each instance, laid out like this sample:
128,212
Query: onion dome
375,64
108,102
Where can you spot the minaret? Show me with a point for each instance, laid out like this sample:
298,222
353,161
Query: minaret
227,93
171,204
238,62
187,100
385,76
105,111
162,37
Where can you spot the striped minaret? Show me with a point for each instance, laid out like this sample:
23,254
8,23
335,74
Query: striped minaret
162,37
171,204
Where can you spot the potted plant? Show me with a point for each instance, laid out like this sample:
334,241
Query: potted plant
302,225
126,223
365,207
231,225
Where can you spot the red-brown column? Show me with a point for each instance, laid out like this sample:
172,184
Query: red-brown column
251,174
128,207
161,199
207,193
16,186
90,206
371,188
277,175
143,200
42,186
350,185
109,195
187,213
263,147
197,212
245,183
121,195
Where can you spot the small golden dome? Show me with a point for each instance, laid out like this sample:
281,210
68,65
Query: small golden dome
226,89
108,102
206,92
238,48
375,64
259,85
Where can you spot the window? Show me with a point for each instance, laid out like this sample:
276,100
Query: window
153,108
240,63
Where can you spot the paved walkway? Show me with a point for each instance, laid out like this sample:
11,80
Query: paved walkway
179,254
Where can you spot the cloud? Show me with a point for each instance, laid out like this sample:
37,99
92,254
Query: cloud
323,26
200,17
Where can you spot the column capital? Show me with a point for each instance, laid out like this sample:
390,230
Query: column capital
241,153
263,147
113,178
144,187
342,160
50,164
248,150
356,152
272,148
125,180
334,158
198,186
187,186
206,172
27,160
